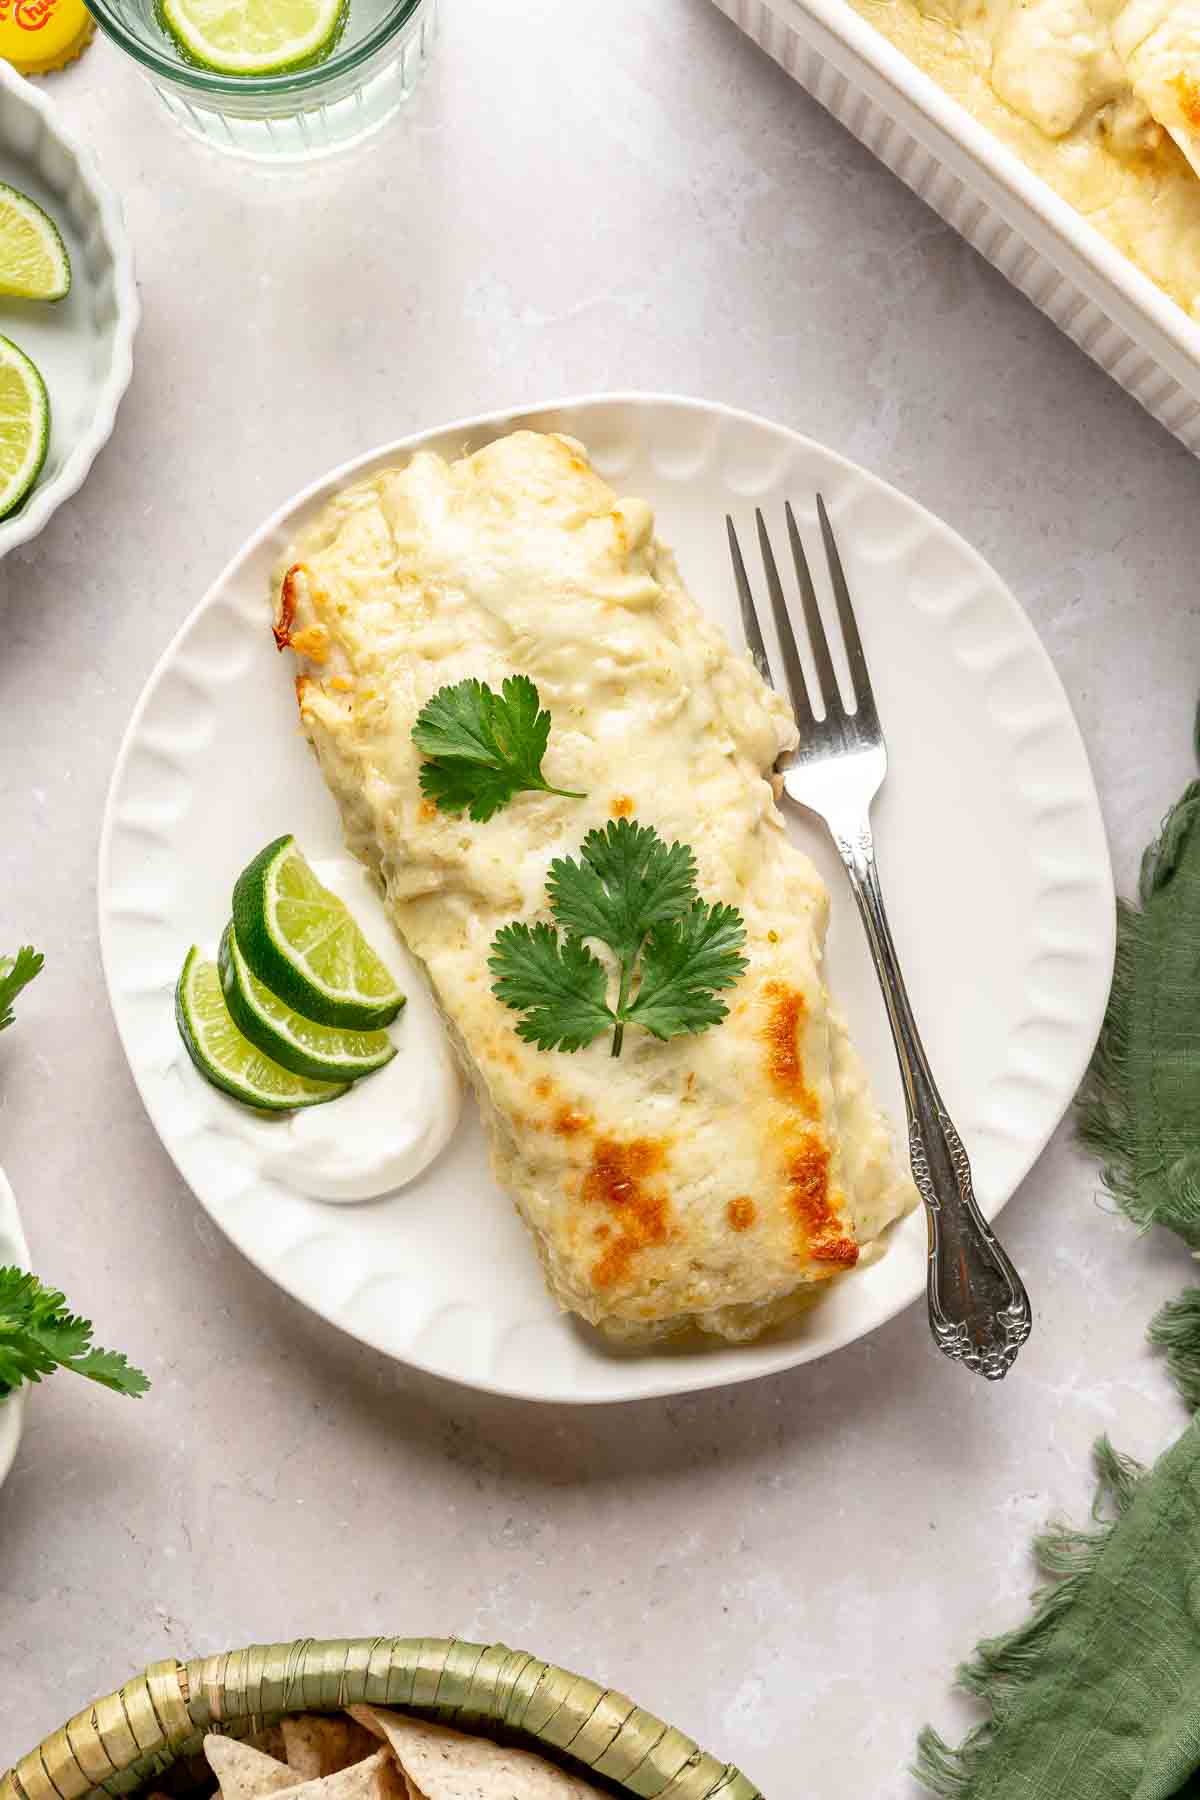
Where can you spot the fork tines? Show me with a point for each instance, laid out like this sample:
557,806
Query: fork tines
827,691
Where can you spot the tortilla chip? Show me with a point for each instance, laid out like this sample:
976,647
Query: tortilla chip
317,1745
270,1740
243,1772
375,1778
440,1764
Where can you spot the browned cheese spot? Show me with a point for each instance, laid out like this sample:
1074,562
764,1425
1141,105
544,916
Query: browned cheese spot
741,1213
618,1180
312,641
821,1234
785,1065
842,1251
286,614
1189,99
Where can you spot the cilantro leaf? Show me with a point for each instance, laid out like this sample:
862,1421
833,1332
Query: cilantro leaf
111,1369
39,1335
483,747
626,881
62,1335
557,983
687,962
636,895
16,972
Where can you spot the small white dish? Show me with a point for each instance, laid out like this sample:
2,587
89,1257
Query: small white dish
990,841
13,1249
83,345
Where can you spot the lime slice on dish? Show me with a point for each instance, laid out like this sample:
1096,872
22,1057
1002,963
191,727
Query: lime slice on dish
321,1052
227,1059
255,37
34,263
24,426
302,944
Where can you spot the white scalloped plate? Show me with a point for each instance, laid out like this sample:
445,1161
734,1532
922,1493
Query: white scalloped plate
13,1249
83,345
990,840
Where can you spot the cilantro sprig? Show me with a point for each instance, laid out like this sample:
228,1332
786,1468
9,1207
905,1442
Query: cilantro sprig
39,1335
37,1332
482,748
636,895
16,972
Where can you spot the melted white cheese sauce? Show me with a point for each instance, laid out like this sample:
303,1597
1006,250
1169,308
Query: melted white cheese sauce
521,559
391,1125
1099,97
1059,62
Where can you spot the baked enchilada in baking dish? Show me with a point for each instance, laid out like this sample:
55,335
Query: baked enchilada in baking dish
1101,98
721,1177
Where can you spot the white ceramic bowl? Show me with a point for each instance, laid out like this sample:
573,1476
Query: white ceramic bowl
83,344
13,1249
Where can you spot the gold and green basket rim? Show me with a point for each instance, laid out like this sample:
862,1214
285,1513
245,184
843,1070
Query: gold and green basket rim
123,1742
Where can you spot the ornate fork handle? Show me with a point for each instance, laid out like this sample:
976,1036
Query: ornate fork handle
979,1311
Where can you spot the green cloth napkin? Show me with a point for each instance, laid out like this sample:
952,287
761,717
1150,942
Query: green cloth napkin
1097,1696
1140,1105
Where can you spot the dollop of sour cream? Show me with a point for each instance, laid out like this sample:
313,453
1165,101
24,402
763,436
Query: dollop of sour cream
391,1125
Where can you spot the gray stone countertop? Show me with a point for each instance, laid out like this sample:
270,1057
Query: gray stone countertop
601,194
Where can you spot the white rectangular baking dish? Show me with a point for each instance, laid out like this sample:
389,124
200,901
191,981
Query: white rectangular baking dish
1047,249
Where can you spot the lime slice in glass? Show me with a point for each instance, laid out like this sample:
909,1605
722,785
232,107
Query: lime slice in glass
321,1052
302,944
33,258
255,37
227,1059
24,426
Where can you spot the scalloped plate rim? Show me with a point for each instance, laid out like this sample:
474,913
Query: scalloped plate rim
46,498
688,1373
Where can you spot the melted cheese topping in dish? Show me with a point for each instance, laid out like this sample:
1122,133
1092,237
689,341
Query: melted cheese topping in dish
718,1181
1099,97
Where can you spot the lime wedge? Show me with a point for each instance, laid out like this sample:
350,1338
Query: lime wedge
24,426
321,1052
227,1059
254,37
33,258
302,944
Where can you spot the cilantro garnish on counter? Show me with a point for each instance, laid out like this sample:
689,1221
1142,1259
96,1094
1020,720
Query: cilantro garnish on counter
39,1335
483,747
637,896
16,972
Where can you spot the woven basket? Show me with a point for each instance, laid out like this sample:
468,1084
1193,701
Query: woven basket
121,1743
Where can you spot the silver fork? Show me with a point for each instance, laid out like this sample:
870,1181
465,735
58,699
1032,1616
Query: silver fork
979,1311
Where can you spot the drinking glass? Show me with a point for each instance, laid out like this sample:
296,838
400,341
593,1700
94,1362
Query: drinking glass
302,113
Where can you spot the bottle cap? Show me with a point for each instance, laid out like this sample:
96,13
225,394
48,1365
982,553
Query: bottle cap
37,35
